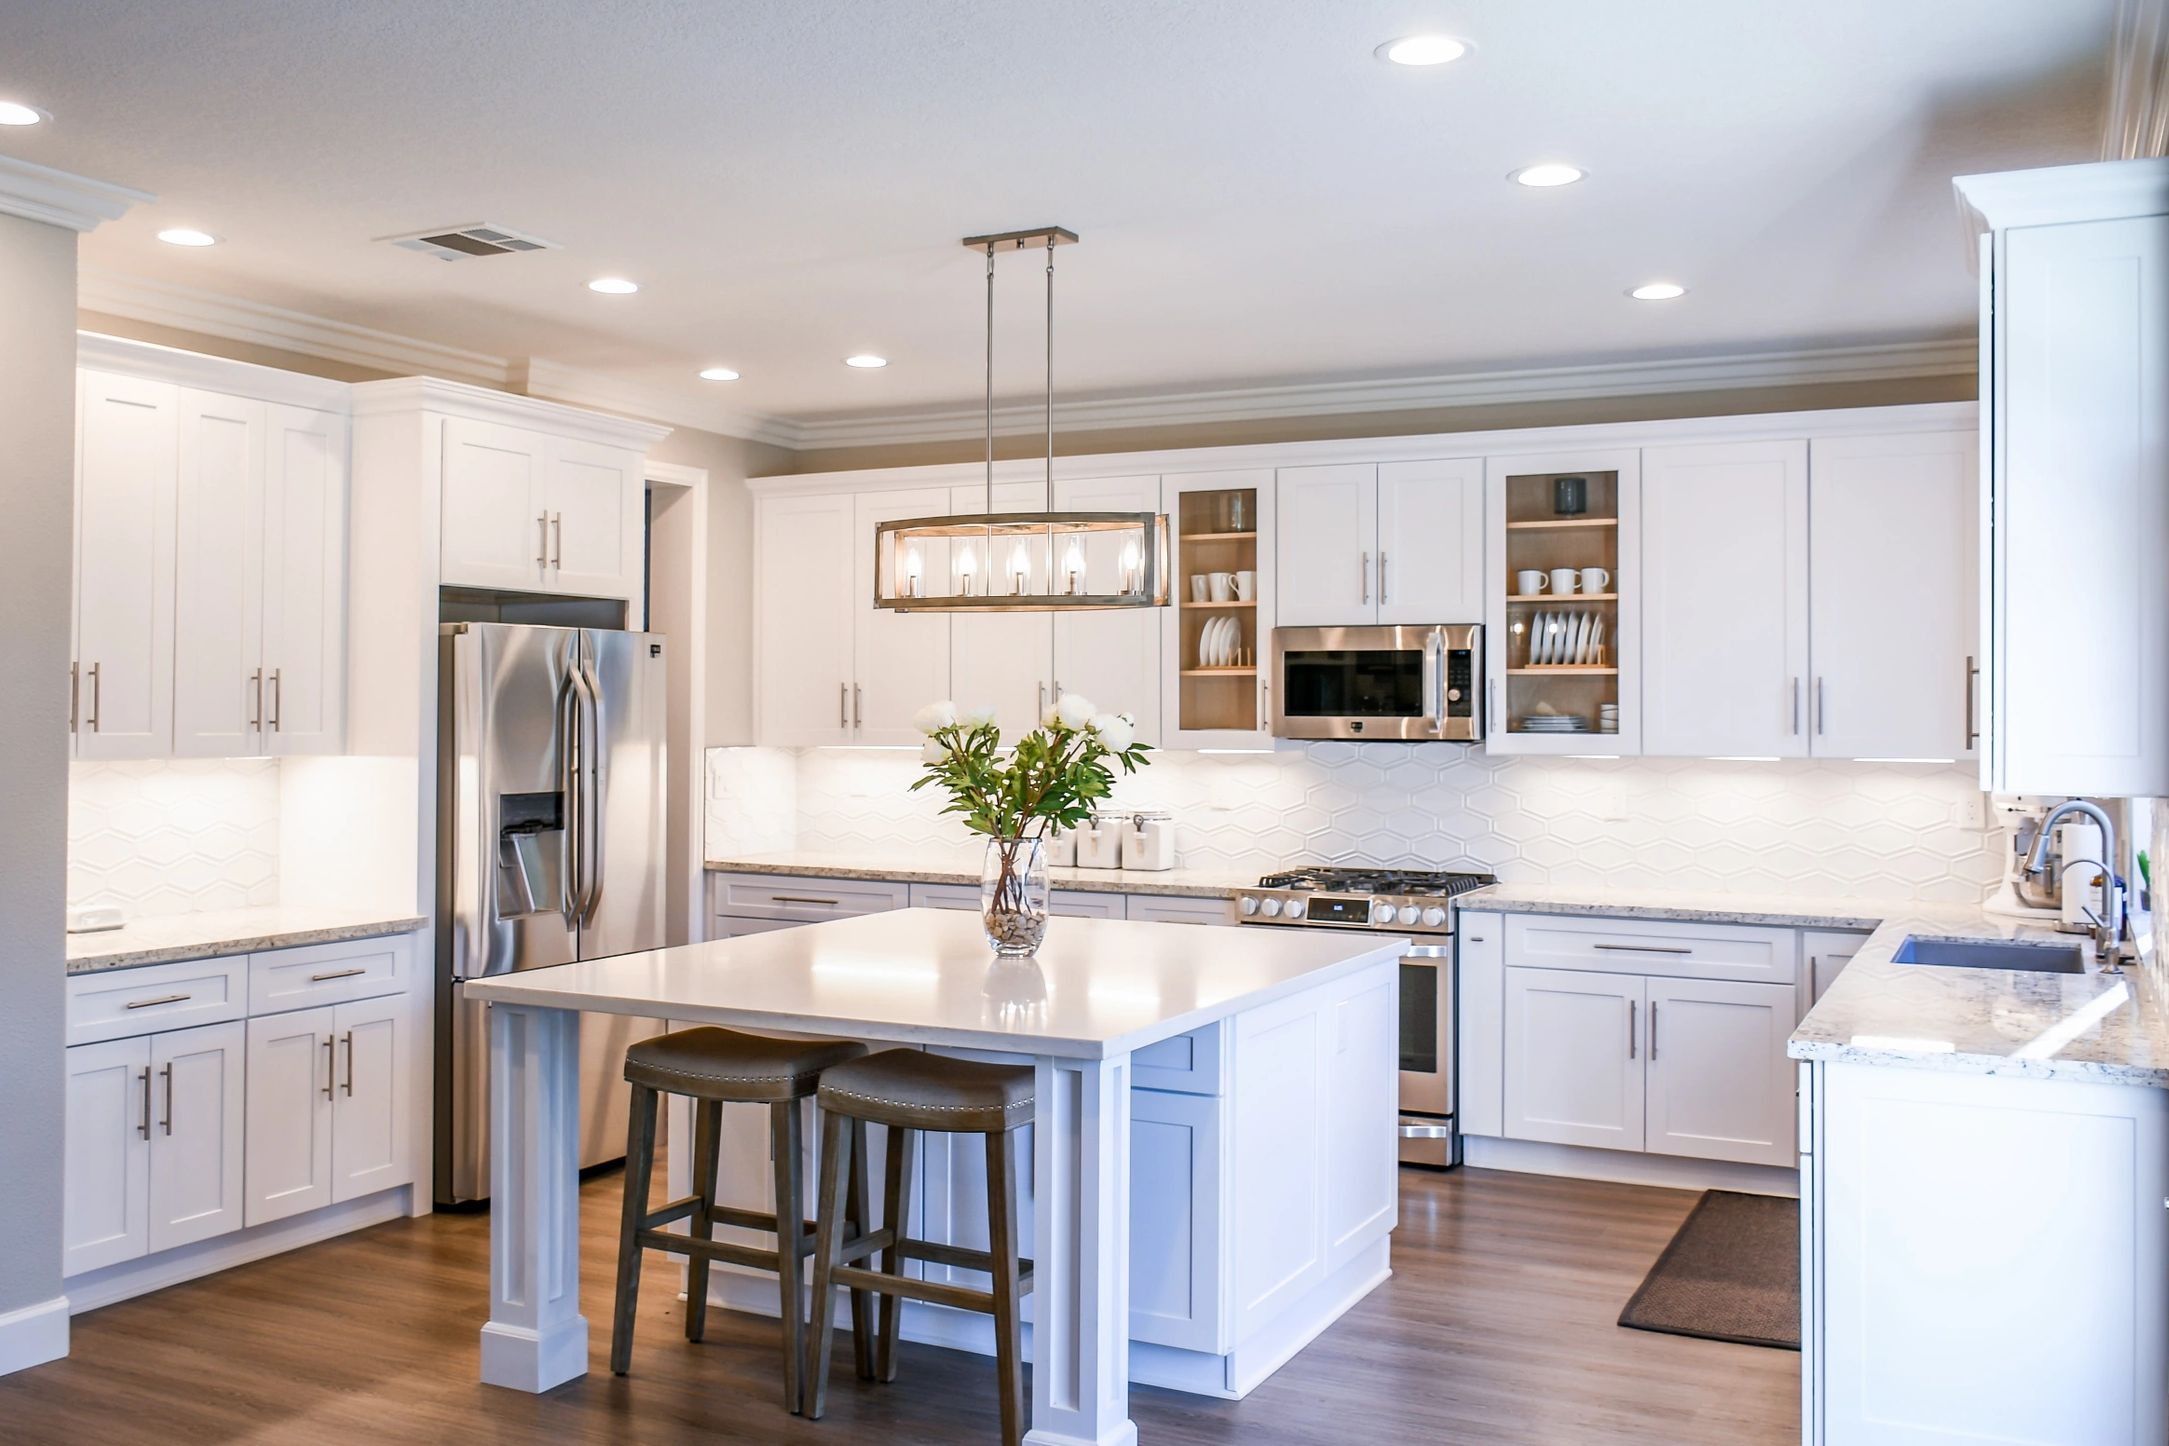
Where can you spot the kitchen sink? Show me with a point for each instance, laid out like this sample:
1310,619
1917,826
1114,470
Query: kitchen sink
1992,954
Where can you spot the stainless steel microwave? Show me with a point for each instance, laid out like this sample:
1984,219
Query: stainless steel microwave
1411,684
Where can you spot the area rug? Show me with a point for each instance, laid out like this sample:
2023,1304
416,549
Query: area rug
1731,1273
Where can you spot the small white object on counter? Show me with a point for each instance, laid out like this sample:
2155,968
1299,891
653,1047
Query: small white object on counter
95,920
1099,843
1148,842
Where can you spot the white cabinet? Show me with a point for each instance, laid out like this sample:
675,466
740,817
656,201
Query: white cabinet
1175,1259
900,661
304,582
1111,656
531,512
1220,522
1479,1012
2075,373
1573,1065
328,1105
1397,543
1725,599
1002,660
1892,615
124,525
1824,953
802,571
1718,1085
107,1164
369,1129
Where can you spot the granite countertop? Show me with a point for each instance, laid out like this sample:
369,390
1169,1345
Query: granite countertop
2104,1027
227,931
964,869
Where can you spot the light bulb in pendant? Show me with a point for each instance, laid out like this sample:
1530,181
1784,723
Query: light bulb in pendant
1073,565
966,566
914,567
1020,569
1130,580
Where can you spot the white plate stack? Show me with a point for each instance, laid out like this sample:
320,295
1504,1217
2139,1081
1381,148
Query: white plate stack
1554,723
1607,717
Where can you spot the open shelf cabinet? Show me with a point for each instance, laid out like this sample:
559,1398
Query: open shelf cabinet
1222,522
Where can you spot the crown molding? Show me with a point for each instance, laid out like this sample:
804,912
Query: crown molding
2138,119
1886,362
2056,195
460,399
57,198
209,373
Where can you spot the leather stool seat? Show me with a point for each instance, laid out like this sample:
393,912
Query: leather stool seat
910,1089
710,1063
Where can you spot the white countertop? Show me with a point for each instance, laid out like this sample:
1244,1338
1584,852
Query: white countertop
1098,987
227,931
1785,911
943,868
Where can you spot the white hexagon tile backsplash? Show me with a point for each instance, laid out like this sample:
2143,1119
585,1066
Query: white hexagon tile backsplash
1876,831
174,836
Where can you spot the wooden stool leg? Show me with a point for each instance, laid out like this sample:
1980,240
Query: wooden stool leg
828,1241
1002,1245
707,1144
639,1166
862,1301
895,1216
786,1136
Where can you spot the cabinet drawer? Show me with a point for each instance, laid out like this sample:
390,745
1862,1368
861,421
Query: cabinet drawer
1188,1064
945,896
116,1003
283,979
775,896
1651,946
1176,909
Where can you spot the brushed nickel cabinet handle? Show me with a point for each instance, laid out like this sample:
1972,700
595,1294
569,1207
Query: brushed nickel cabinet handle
161,999
542,546
1652,1031
144,1129
256,710
1630,1028
1365,573
802,899
1381,577
349,1086
166,1074
1642,949
1973,674
97,701
1796,707
336,974
75,693
843,705
278,698
858,706
557,551
331,1043
1822,709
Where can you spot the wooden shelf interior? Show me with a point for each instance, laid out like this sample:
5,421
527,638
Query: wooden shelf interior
1216,531
1539,538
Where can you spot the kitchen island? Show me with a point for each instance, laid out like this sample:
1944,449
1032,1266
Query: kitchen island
1281,1043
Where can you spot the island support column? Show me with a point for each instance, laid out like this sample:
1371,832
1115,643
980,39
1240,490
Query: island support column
1081,1265
536,1337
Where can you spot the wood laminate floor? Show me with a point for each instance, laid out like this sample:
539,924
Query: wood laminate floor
1497,1327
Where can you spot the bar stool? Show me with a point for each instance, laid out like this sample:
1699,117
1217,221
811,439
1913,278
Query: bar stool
910,1091
715,1067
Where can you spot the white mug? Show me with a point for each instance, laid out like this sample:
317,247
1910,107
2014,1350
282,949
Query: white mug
1595,579
1198,585
1223,585
1530,583
1563,579
1246,586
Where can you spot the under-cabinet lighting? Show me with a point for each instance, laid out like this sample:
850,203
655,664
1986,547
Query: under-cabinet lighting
1905,760
1235,750
1743,758
1613,756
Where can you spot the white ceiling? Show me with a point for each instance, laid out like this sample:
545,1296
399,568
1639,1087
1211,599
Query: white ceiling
1260,199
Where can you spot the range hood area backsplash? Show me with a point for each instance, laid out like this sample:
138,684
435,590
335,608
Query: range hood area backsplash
1809,828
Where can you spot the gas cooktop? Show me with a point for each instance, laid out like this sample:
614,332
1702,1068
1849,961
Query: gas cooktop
1415,900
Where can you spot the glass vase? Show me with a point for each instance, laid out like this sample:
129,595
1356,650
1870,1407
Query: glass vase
1013,895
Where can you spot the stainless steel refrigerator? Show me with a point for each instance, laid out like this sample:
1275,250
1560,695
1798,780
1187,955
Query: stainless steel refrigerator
551,772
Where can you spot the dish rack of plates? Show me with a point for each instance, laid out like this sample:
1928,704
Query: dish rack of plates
1562,587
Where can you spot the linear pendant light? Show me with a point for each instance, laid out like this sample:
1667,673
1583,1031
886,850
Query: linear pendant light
1021,562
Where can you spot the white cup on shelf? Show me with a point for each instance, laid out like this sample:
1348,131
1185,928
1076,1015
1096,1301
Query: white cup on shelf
1223,586
1246,587
1596,579
1530,582
1198,586
1564,580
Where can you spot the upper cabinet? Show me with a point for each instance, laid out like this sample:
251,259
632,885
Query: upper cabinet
530,511
1111,656
211,568
1401,542
2075,377
1213,637
1003,661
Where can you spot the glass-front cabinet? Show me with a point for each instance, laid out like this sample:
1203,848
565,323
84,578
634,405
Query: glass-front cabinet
1215,635
1563,608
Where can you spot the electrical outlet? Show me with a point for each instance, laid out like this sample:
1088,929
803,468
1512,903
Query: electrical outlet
1976,814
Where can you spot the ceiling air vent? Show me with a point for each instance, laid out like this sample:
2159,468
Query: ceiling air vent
457,243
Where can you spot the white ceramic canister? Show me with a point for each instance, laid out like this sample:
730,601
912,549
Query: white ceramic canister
1148,841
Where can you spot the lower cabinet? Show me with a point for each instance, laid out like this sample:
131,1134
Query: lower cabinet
1573,1058
1824,953
153,1155
327,1106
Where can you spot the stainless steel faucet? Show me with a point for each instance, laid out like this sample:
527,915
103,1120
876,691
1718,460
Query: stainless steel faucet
2109,923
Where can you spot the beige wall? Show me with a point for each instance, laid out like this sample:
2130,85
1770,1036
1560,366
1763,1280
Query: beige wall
37,470
1741,402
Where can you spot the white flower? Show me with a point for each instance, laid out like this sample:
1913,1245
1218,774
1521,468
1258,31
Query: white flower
934,752
1074,710
934,717
978,717
1116,731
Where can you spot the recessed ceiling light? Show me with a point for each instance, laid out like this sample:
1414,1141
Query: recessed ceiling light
613,286
186,236
1548,173
1423,50
1658,291
15,113
718,374
866,361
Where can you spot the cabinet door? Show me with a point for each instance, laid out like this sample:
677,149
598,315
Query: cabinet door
369,1112
1573,1058
106,1155
1479,1021
1362,1180
289,1116
196,1156
124,500
1111,657
495,527
900,660
1003,660
2081,409
304,649
1328,545
1893,610
1719,1085
596,500
218,577
1824,955
1725,596
1175,1220
1431,542
804,609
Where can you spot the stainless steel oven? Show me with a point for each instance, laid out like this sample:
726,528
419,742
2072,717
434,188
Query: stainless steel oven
1429,1135
1414,684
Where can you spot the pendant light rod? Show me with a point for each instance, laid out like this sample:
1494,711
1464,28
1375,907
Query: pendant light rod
1050,372
990,376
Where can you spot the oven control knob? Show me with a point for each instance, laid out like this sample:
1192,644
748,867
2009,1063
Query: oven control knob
1271,907
1453,695
1381,912
1295,908
1409,913
1248,904
1433,917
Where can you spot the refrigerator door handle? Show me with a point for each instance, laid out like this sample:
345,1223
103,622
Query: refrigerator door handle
569,716
591,791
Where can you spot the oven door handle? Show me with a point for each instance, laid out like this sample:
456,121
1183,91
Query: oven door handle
1428,951
1434,676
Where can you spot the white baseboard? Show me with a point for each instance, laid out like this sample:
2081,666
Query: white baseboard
33,1335
1626,1167
95,1288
